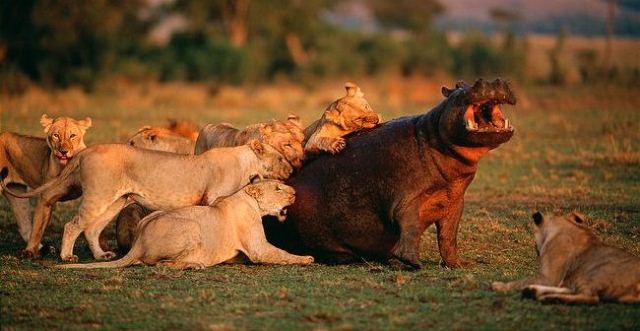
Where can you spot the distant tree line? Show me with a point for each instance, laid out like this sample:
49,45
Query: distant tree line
60,43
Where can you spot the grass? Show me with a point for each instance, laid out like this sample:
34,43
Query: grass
575,148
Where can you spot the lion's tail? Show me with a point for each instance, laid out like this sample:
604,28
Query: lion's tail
133,257
57,181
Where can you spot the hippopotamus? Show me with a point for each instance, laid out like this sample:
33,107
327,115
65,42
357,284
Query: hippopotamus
375,199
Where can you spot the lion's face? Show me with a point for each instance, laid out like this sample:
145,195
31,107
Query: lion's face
274,165
287,137
352,112
272,196
65,136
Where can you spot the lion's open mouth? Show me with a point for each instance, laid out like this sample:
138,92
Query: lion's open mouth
62,158
486,117
282,215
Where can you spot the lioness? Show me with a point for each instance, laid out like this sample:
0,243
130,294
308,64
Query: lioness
286,136
576,267
345,115
202,236
183,128
32,161
112,176
161,139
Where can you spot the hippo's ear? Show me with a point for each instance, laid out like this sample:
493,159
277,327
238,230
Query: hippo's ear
446,92
577,217
253,191
46,122
256,146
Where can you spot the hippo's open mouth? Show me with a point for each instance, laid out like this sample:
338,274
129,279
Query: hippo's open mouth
486,117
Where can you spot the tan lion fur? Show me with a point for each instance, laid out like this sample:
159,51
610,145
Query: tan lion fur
348,114
285,136
202,236
161,139
576,267
113,176
32,161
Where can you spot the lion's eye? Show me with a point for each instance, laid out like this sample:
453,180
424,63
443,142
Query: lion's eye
55,135
73,135
278,189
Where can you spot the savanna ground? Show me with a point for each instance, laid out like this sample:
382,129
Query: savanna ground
574,148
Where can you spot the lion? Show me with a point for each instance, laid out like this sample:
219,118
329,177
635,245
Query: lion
576,267
162,139
196,237
32,161
114,175
183,128
285,136
348,114
177,138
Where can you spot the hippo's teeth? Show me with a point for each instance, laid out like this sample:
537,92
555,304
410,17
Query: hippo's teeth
471,125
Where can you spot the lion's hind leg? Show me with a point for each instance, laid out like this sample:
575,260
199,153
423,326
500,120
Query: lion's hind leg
94,227
21,210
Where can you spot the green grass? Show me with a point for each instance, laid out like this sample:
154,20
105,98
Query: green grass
569,152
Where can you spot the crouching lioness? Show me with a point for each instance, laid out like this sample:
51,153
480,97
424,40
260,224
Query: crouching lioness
202,236
576,267
285,136
32,161
348,114
112,176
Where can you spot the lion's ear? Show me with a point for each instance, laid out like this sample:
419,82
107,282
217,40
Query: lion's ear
333,115
295,120
46,122
353,90
144,128
266,131
256,146
85,124
253,191
577,217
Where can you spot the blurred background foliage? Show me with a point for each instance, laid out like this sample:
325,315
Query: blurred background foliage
59,43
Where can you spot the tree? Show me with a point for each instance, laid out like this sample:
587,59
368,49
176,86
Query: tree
413,16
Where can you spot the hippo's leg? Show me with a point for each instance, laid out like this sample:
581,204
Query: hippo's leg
447,229
411,229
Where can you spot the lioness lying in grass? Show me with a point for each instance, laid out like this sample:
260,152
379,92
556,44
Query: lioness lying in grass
202,236
576,267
